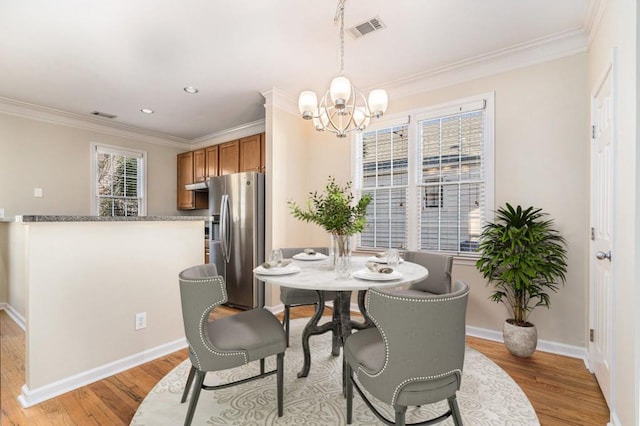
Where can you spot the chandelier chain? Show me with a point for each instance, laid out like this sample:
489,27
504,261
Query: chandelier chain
340,14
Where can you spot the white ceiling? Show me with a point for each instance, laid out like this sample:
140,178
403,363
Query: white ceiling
119,56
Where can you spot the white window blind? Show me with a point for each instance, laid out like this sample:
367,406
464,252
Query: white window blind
431,181
119,182
451,186
384,171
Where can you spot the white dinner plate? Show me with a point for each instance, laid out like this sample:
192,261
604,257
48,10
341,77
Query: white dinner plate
305,256
365,274
289,269
380,259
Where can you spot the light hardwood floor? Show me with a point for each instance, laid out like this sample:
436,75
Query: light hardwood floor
560,389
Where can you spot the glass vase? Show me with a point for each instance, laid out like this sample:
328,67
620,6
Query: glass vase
341,247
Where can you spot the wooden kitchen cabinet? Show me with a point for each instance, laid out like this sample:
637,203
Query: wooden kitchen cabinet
252,153
185,176
229,158
241,155
199,165
189,200
211,156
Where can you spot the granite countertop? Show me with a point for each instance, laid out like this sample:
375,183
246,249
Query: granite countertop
49,218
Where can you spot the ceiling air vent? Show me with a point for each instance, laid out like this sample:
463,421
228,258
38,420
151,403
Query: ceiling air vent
103,114
367,27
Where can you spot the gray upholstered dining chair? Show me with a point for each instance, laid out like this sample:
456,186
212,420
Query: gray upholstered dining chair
413,356
439,279
291,297
226,342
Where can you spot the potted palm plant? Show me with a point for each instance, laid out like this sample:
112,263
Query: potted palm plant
336,211
524,258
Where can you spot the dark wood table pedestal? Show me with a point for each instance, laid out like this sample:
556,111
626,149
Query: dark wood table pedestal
341,324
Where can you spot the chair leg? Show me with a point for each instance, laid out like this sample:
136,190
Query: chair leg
349,394
280,382
455,410
262,366
285,322
345,377
200,375
192,371
400,415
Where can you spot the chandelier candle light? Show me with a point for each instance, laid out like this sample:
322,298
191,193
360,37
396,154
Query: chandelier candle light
343,108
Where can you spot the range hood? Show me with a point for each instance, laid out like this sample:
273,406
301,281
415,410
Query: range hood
198,186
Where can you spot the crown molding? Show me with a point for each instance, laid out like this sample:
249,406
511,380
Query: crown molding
280,99
54,116
544,49
241,131
593,18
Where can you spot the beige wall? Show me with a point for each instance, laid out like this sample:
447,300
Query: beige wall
17,270
619,30
56,158
4,261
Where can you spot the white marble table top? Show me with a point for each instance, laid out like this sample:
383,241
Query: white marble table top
318,275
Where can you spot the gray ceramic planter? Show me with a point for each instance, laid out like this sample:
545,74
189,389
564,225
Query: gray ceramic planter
520,341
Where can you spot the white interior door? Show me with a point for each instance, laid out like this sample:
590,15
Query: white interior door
601,292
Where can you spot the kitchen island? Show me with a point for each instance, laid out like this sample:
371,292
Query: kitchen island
77,283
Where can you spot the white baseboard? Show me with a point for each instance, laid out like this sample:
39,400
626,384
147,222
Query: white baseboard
15,316
543,345
614,420
35,396
275,309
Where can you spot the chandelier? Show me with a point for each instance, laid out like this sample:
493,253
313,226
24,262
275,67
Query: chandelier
343,108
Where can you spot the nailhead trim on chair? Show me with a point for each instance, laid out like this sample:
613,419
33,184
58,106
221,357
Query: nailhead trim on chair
418,299
206,314
416,379
386,351
195,355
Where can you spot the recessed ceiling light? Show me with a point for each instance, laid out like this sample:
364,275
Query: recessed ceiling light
190,89
147,110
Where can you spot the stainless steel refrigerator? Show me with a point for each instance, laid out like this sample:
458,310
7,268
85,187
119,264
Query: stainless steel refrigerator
236,246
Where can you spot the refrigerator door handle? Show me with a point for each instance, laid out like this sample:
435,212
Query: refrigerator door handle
227,239
223,227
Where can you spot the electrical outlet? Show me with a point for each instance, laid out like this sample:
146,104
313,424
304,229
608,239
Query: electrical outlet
37,192
141,320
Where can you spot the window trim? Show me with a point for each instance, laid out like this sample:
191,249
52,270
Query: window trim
413,117
95,146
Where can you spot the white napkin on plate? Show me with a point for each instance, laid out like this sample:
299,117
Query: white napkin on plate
376,267
276,264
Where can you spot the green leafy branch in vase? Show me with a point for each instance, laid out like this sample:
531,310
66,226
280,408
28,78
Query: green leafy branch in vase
334,209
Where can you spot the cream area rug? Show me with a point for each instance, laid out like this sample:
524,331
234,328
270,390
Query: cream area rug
488,396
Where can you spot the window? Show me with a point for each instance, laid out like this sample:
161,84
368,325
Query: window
431,181
118,181
384,157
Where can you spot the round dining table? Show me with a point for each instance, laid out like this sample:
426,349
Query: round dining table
305,272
